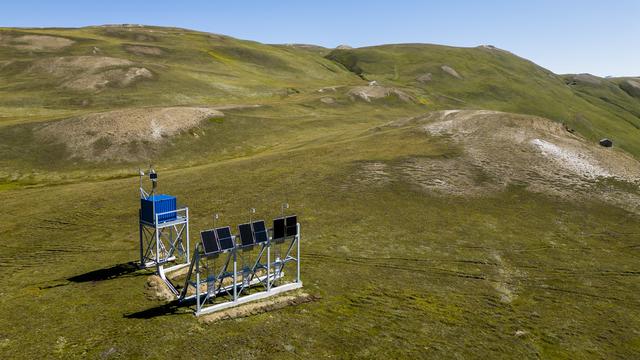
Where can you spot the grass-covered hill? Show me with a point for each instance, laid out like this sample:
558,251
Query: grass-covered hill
454,202
54,74
485,77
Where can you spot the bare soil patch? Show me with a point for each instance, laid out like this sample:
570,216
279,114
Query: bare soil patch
258,307
155,289
110,135
632,87
500,149
376,92
449,70
91,73
35,42
144,50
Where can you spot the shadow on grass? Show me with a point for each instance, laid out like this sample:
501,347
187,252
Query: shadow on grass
173,308
106,273
112,272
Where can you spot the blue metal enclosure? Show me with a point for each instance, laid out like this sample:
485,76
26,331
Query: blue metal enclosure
163,203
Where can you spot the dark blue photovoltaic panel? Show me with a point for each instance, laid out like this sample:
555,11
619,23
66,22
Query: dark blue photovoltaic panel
260,232
246,235
292,225
278,228
259,226
209,242
224,238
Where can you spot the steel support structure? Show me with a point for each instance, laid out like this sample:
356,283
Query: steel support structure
165,244
232,290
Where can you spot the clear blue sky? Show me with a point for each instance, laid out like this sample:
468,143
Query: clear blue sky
571,36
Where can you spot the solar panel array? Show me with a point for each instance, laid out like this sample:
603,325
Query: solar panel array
278,229
285,227
253,233
291,223
260,232
224,238
220,239
246,234
209,242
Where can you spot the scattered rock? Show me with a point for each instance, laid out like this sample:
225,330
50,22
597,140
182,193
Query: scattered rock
606,142
568,128
344,47
155,289
328,100
424,78
373,83
584,79
328,89
520,333
449,70
369,93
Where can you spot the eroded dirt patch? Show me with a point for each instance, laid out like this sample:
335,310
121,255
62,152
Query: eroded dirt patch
91,73
111,135
155,289
376,92
35,42
501,149
144,50
258,307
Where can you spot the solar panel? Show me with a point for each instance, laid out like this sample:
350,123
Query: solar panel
278,228
209,242
246,235
224,238
260,232
292,225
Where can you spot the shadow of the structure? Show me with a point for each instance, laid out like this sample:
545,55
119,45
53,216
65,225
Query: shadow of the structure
106,273
173,308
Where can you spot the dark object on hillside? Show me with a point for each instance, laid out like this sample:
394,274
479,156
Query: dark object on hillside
569,129
606,142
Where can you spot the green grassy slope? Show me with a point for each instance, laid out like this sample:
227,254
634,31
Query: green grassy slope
191,68
495,79
412,275
506,274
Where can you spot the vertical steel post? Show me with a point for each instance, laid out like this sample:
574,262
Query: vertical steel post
141,240
197,283
157,239
298,255
235,273
187,214
268,266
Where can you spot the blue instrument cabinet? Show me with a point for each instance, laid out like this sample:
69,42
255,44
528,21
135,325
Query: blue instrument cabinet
163,203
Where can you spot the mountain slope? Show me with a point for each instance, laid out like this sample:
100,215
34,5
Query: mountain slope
489,78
